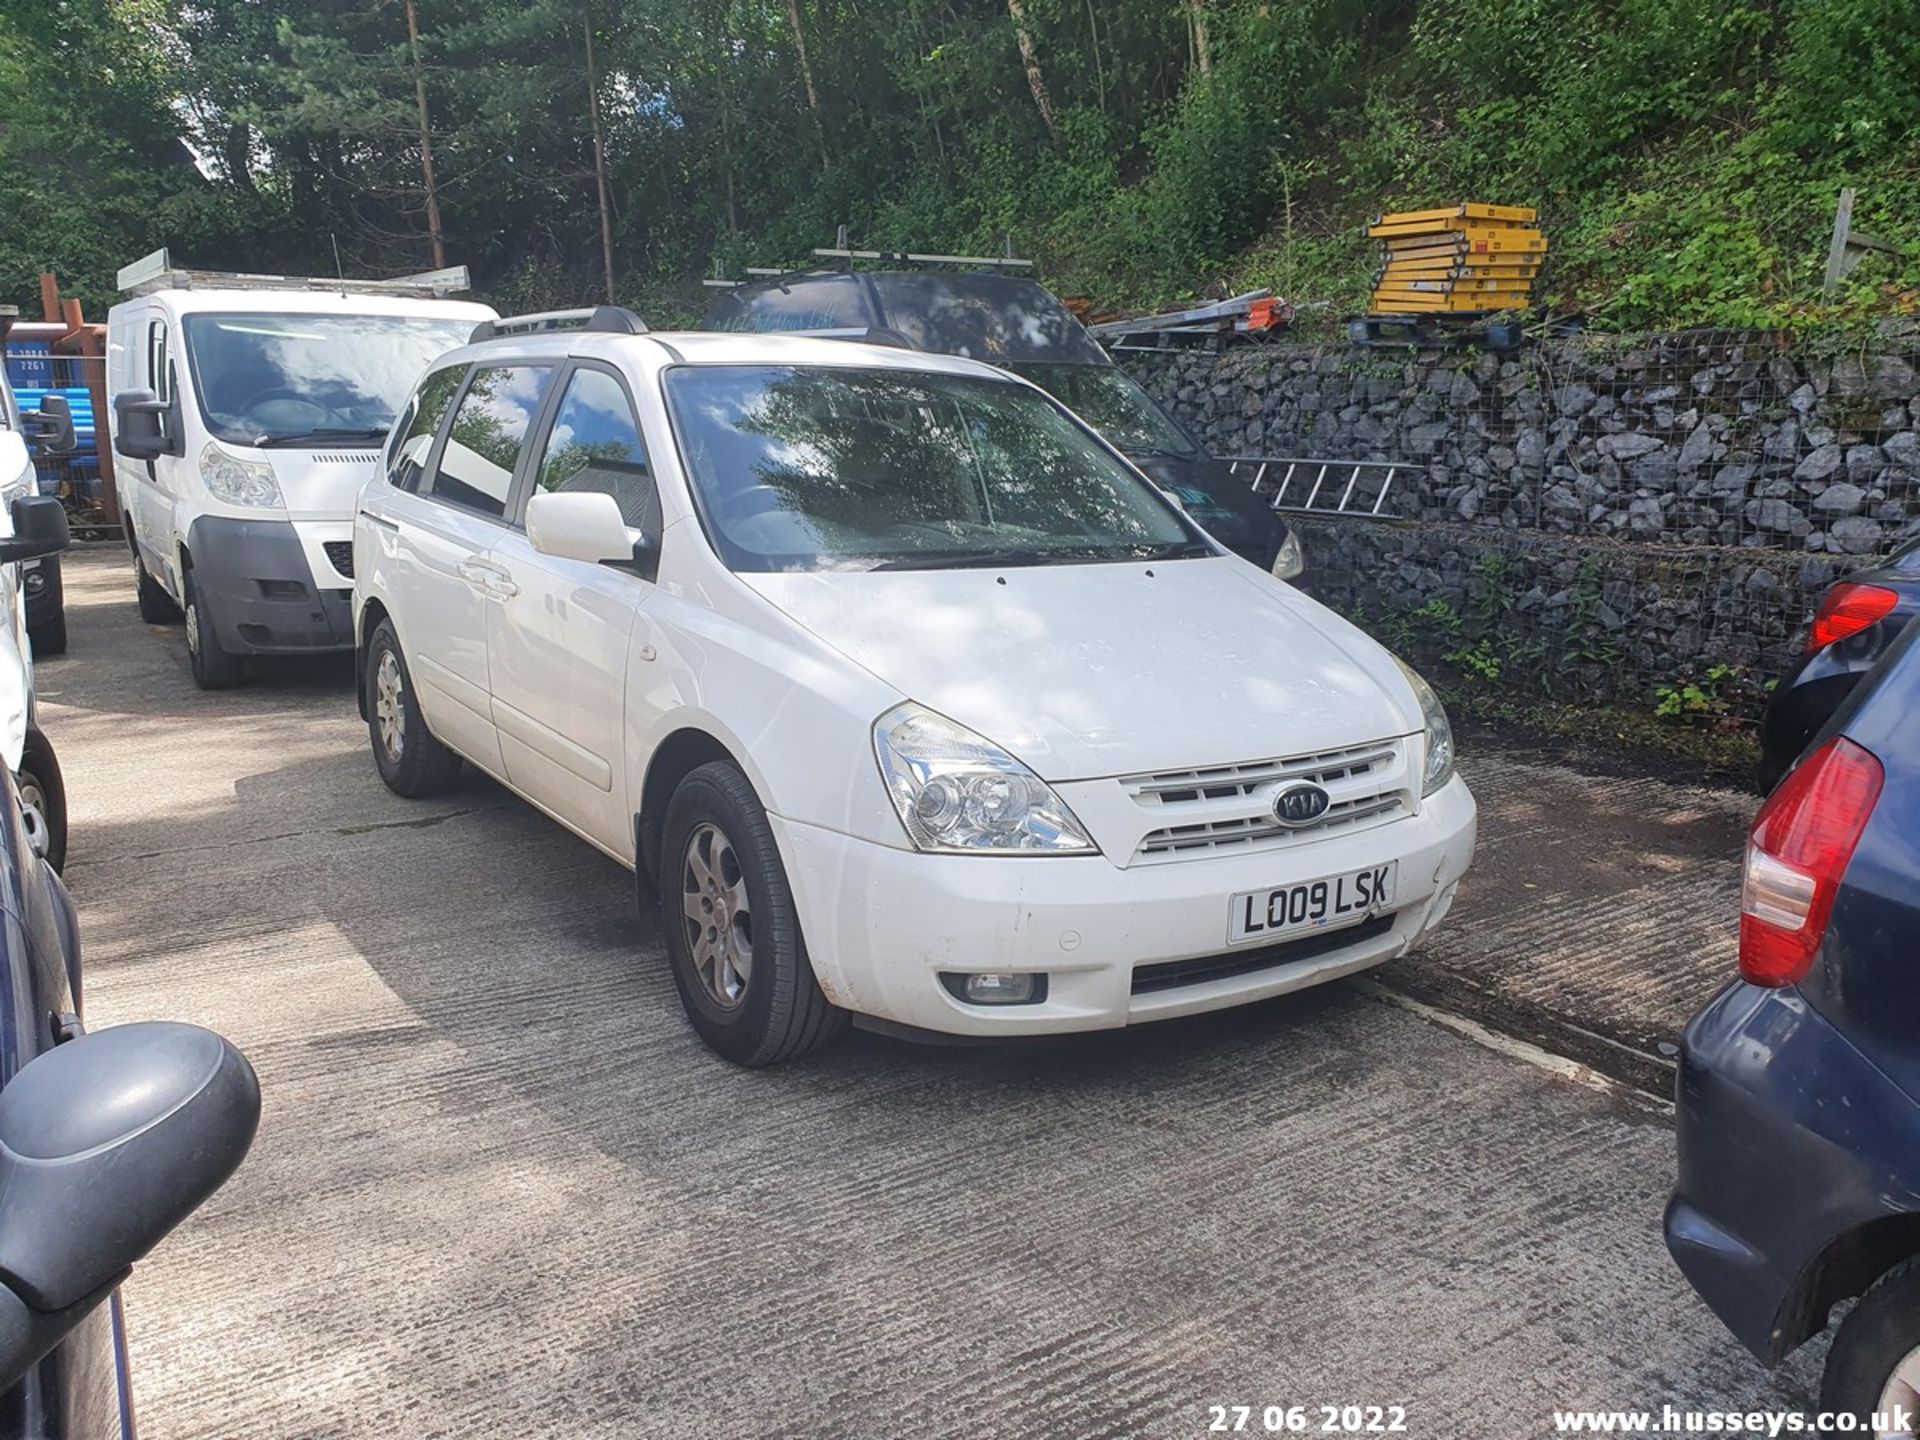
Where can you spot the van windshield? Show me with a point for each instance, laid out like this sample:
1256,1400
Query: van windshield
845,468
310,379
1112,401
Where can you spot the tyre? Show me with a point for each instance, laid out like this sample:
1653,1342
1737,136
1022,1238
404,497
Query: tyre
732,932
156,606
1874,1365
410,760
43,800
49,637
213,667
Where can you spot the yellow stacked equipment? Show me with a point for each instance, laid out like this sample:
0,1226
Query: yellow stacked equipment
1463,259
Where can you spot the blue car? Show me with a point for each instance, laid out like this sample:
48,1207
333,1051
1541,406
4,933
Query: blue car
107,1140
1799,1085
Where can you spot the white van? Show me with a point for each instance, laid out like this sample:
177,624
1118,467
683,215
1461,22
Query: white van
251,409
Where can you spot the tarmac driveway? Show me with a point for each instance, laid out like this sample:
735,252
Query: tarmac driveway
501,1190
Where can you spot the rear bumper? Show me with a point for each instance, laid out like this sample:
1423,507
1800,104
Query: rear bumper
256,583
883,924
1789,1144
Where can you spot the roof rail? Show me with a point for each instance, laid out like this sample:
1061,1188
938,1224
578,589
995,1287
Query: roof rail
157,272
599,319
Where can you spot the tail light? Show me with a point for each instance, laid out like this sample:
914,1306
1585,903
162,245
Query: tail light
1847,610
1802,842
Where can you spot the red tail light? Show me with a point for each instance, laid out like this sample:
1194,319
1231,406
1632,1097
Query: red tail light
1802,842
1847,610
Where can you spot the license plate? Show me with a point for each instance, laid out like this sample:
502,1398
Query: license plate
1327,904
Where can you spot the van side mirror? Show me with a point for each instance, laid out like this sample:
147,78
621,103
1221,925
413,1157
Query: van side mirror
50,428
144,426
579,525
39,528
107,1142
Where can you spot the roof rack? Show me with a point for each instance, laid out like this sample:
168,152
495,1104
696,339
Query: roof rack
841,251
599,319
157,272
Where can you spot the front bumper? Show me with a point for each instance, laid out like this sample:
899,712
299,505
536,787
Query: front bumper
1790,1141
43,590
882,923
256,580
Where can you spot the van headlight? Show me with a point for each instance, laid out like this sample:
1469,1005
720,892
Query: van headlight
1288,564
1439,745
959,793
236,481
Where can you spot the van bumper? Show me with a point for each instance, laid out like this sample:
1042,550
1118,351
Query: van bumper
257,588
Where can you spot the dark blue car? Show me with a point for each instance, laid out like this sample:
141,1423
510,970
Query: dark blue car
107,1141
1858,618
1799,1086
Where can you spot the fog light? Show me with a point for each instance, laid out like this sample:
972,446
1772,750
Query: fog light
996,989
36,582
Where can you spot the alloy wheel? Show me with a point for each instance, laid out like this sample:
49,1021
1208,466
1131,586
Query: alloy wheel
389,711
1901,1394
33,810
718,915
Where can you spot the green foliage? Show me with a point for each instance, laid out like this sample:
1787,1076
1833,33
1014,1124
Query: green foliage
1685,154
1697,700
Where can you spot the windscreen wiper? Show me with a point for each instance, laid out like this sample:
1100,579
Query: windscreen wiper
269,442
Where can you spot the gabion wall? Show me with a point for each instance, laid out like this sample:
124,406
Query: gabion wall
1612,518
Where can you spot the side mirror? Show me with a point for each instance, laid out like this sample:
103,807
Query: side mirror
39,528
106,1143
141,426
579,525
51,426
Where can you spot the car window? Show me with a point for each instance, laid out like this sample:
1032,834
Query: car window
811,302
836,467
595,444
413,432
489,431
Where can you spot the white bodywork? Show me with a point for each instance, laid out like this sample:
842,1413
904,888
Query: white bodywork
163,498
16,665
561,678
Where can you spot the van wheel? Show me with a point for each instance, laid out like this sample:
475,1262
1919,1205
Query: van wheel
732,932
1874,1365
43,800
411,761
49,637
213,667
156,606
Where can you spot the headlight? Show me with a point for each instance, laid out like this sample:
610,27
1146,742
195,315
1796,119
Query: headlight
960,793
1439,730
237,481
1289,562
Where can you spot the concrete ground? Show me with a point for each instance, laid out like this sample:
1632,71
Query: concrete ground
501,1190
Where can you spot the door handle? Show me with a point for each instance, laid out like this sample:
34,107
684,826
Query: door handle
489,579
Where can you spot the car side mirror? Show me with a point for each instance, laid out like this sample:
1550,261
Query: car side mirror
107,1142
579,525
39,528
50,428
142,428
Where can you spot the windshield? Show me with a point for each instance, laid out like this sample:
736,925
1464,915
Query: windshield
319,379
830,468
1112,401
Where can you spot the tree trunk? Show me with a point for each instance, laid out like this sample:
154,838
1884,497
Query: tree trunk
426,141
806,74
1036,82
599,159
1099,69
1202,49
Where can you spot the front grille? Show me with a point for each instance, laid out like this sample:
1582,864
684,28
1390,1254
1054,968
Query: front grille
1366,784
340,556
1173,974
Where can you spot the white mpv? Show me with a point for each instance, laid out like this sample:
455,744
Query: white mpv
910,697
